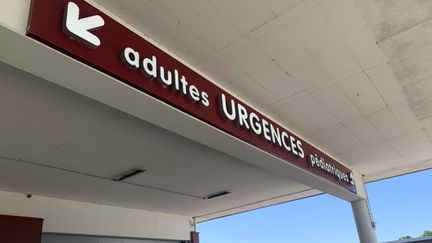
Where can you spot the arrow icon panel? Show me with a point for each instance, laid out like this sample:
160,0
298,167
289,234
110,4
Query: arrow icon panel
79,29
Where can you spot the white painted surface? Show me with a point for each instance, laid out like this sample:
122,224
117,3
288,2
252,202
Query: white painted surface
63,216
14,14
366,232
363,216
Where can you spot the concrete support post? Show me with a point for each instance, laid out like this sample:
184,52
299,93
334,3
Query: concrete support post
363,216
365,227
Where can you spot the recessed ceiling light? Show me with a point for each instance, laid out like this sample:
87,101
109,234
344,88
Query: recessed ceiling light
129,174
217,194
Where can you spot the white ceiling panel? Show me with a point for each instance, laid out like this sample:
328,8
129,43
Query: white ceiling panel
246,15
193,50
290,55
280,6
113,193
294,121
112,147
335,101
319,38
239,83
190,163
166,20
383,79
167,28
38,116
9,167
258,66
33,179
411,144
421,141
410,53
361,155
353,31
365,131
350,159
405,145
309,109
387,124
362,93
406,118
385,151
219,32
338,139
389,18
418,93
273,187
130,196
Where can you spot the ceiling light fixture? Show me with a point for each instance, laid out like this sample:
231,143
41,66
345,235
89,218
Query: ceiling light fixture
129,174
217,194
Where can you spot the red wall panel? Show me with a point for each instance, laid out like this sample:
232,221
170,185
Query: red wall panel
14,229
194,237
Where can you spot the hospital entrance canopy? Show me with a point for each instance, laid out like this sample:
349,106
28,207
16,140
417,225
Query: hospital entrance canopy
201,109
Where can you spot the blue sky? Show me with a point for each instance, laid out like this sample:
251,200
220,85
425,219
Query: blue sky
401,206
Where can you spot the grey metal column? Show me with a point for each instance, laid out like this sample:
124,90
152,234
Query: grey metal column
363,217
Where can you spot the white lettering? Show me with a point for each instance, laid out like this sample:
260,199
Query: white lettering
149,67
284,141
194,94
266,130
184,84
293,145
130,58
204,99
242,116
163,80
227,114
300,152
254,122
276,136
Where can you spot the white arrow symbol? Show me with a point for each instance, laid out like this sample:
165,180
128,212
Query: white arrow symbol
79,29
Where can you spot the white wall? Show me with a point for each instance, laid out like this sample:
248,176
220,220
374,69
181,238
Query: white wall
14,13
63,216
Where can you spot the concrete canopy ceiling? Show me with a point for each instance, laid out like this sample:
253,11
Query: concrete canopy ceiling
319,66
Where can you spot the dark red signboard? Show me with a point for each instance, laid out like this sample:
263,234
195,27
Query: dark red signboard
194,237
56,24
15,229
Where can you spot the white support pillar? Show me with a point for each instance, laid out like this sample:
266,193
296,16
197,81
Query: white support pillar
363,216
365,227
